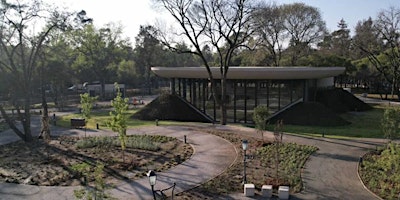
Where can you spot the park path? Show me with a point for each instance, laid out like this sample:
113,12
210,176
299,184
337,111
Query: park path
212,155
331,172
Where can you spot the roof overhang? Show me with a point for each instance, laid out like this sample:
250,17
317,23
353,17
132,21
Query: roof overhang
266,73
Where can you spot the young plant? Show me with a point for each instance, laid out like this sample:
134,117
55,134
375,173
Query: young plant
278,134
99,188
260,117
87,104
118,118
390,123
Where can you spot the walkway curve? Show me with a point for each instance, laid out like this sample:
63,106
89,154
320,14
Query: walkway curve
331,172
212,156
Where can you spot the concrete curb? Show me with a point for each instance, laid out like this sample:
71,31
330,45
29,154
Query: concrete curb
362,182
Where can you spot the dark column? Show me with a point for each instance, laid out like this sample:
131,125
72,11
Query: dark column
291,90
234,101
204,83
305,91
179,87
172,85
194,92
245,101
184,88
255,93
268,84
279,96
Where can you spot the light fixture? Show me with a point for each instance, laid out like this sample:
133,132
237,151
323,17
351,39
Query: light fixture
152,180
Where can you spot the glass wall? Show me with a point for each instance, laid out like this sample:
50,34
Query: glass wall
242,96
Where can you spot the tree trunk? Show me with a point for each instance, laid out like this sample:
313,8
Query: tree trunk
26,120
45,130
223,101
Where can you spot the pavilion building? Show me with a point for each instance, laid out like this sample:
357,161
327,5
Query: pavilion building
278,88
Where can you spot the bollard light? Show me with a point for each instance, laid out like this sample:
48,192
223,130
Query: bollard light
244,146
152,180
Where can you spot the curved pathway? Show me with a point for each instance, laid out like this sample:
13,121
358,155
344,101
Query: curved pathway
212,155
331,172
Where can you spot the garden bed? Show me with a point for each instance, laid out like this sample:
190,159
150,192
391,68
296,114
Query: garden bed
53,163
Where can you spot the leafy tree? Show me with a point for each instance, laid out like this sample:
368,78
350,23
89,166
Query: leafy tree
99,53
87,104
366,37
118,118
341,39
148,52
391,123
386,58
305,27
20,48
222,25
260,117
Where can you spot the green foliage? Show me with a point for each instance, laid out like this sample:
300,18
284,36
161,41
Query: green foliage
87,105
380,171
92,192
260,117
118,117
144,142
292,159
390,123
363,124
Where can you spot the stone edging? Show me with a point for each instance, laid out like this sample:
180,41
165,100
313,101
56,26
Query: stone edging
362,183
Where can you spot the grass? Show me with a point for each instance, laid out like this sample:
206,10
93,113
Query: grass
380,171
144,142
365,124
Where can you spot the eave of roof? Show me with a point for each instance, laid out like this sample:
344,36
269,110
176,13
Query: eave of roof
266,73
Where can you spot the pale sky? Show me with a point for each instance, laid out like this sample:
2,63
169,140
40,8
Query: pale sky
132,14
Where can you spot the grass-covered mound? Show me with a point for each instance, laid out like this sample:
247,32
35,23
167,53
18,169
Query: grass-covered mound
310,114
341,101
170,107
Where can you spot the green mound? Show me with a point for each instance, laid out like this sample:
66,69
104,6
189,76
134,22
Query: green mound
170,107
341,101
310,114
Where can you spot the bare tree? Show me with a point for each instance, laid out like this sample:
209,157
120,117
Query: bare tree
305,27
386,57
223,25
271,32
21,45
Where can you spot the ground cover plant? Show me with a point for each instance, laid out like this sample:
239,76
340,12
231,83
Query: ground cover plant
54,163
102,118
260,167
380,171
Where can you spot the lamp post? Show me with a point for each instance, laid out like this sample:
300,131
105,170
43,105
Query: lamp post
244,146
152,180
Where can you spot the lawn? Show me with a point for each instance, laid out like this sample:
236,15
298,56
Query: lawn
365,124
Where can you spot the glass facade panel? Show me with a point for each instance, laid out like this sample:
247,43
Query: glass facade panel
242,96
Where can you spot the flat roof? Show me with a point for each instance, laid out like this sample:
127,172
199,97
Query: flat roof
267,73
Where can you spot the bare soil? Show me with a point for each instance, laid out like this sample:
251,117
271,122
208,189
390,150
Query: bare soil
49,164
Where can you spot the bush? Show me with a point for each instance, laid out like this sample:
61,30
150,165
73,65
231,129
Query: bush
380,171
144,142
260,117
